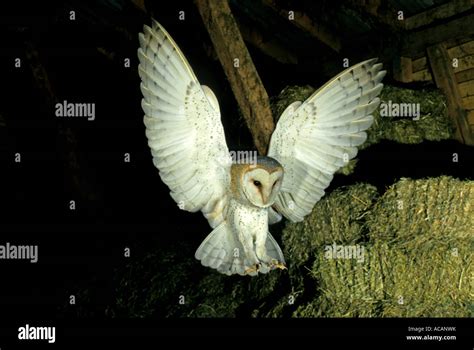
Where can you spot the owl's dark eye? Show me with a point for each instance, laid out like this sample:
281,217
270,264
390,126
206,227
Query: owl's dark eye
257,183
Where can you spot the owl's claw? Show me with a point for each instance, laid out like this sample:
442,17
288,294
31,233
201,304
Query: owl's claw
281,266
274,264
252,269
278,265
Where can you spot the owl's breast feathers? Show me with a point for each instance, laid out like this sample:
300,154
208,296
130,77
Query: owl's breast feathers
246,219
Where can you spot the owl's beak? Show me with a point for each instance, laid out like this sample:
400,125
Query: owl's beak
266,197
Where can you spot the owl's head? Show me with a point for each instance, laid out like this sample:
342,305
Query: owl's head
258,184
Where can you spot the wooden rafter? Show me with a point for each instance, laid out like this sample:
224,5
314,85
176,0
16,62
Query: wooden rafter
403,69
418,41
449,9
269,47
465,75
239,68
445,79
381,10
305,23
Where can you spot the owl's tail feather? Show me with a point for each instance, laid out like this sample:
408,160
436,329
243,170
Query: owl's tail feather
222,251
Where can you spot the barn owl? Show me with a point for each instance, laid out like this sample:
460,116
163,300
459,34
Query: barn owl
311,141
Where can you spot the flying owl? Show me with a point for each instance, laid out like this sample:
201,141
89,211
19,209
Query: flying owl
311,141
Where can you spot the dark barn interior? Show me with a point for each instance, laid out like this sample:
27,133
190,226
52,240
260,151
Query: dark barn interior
104,165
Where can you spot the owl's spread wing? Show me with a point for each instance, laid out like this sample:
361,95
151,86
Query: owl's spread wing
312,140
183,125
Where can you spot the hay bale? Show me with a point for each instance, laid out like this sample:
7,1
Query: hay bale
433,125
437,208
151,287
222,296
337,217
141,291
213,297
434,281
418,260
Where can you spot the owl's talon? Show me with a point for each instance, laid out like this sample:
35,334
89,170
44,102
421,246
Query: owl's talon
252,269
278,265
281,266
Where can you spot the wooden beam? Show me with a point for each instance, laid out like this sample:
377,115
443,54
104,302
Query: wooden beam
468,102
447,10
239,69
380,10
419,64
422,75
465,75
305,23
418,41
451,43
140,4
445,79
403,69
470,118
466,62
466,89
421,71
462,50
269,47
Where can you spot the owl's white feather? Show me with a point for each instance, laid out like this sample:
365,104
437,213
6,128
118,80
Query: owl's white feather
273,216
312,140
187,142
183,126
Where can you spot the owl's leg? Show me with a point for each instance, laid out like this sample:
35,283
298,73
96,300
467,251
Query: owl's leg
247,244
261,250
